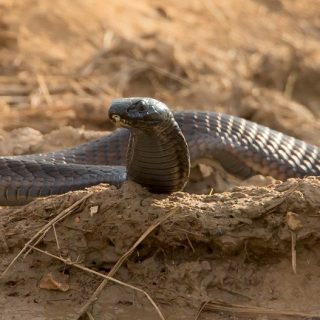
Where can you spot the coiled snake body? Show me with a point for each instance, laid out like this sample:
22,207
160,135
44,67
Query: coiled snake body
156,152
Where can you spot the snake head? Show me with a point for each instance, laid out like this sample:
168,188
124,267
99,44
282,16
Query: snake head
139,113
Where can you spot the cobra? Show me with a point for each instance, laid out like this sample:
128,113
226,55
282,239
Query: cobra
156,148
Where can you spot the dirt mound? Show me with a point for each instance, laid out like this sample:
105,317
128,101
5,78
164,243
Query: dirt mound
230,246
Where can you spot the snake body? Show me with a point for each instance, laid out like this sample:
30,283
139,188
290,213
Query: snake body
155,149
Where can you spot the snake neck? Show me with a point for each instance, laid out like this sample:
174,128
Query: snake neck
159,160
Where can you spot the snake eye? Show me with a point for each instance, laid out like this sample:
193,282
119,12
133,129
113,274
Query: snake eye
140,106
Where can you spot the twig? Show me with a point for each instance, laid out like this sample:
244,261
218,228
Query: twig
35,243
106,277
14,90
44,89
228,307
289,87
115,268
201,309
234,292
90,316
56,237
14,99
190,243
45,229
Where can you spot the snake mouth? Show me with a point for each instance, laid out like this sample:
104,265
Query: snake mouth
119,121
116,118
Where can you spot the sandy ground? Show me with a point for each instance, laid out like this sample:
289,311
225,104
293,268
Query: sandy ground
220,256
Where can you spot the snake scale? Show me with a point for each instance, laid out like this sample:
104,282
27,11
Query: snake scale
155,148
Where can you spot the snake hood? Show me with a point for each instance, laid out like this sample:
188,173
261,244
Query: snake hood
140,113
157,155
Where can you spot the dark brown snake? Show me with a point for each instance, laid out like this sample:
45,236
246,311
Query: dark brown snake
155,153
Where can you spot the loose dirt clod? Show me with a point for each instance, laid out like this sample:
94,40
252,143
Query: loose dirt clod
49,282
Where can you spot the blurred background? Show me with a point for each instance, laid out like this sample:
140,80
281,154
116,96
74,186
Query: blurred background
61,62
